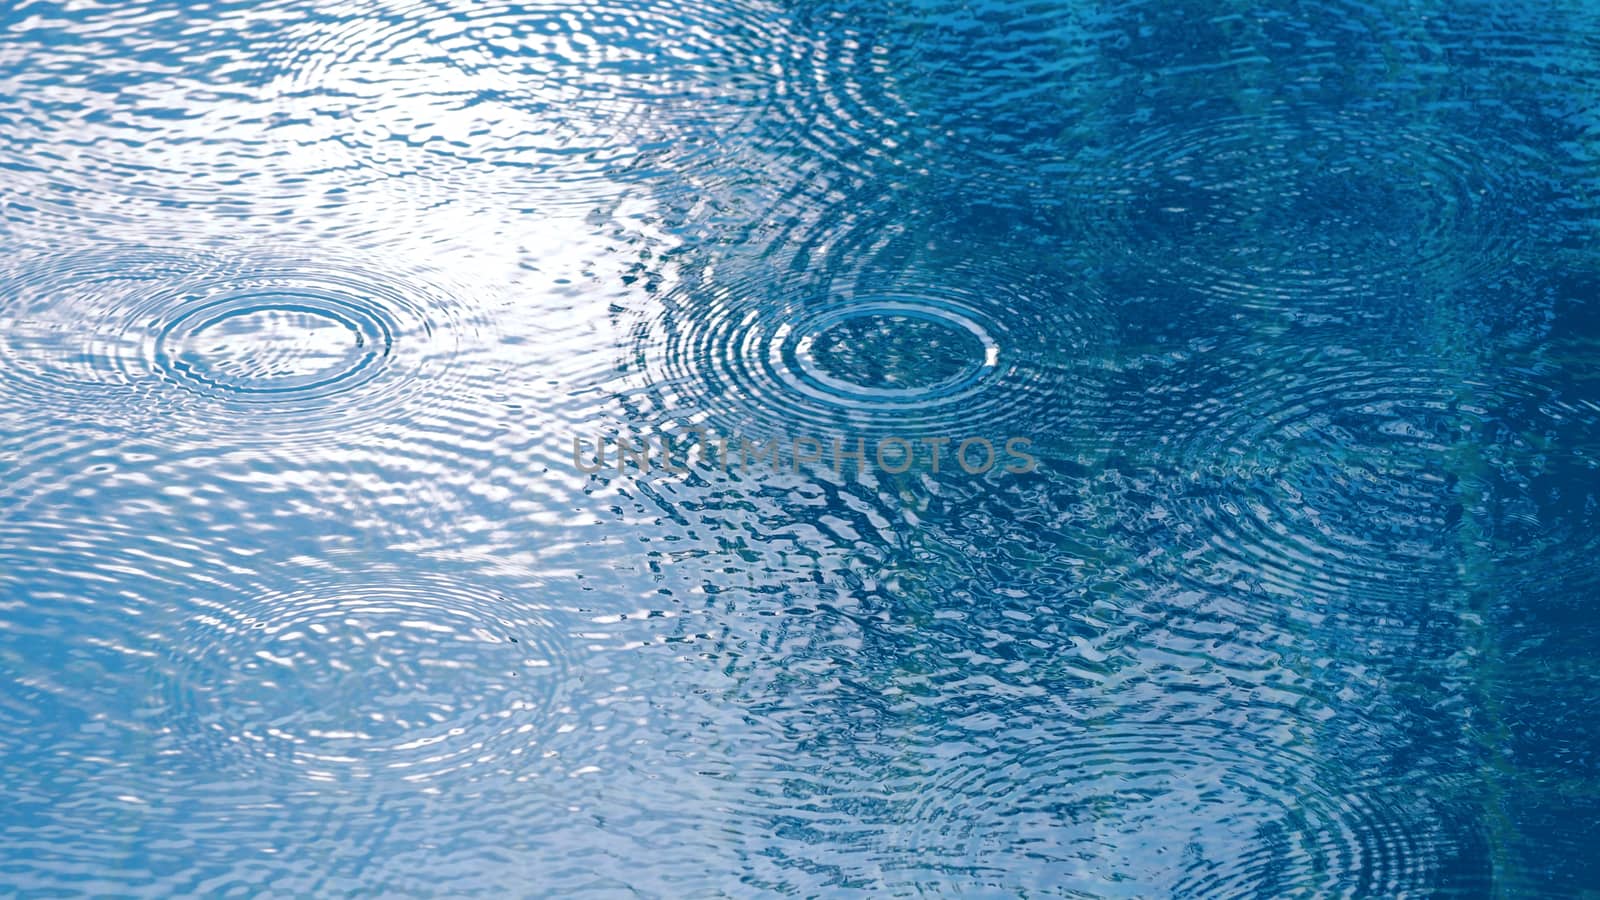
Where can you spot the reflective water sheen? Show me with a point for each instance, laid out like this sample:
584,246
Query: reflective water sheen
302,305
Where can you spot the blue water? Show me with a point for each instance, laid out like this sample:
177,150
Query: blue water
305,590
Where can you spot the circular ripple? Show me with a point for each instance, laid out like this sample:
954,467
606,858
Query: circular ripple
1328,474
912,335
263,345
910,354
1535,505
259,348
371,673
838,107
1285,210
187,643
1332,476
876,92
460,92
844,352
752,369
1187,810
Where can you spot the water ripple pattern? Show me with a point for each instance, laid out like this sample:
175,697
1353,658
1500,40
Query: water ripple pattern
304,592
876,339
1329,475
1216,815
567,99
386,673
290,350
1296,213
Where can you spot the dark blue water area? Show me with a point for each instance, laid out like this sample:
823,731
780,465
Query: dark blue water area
1278,324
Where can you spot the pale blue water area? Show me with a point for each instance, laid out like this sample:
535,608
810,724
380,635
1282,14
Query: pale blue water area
1258,346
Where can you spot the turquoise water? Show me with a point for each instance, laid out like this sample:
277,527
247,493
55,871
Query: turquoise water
740,448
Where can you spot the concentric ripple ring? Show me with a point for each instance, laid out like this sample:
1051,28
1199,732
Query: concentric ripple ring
1294,212
794,353
1216,815
971,349
1333,477
270,346
182,346
347,678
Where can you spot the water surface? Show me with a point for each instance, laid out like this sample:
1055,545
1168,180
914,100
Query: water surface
302,306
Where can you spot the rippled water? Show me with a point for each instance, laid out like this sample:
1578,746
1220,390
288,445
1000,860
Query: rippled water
305,591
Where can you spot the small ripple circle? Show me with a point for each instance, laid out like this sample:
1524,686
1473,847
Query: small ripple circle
391,673
1333,477
1290,210
1193,810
